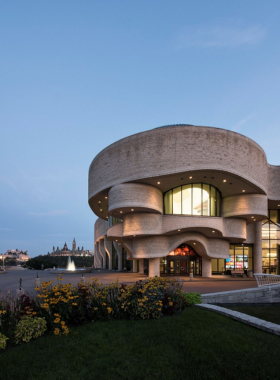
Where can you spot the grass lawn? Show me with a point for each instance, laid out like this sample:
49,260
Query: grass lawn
196,344
269,313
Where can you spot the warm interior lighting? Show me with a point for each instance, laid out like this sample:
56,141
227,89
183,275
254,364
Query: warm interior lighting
255,220
243,191
158,183
99,202
106,197
252,217
179,230
213,231
132,209
120,212
194,243
224,180
101,209
190,177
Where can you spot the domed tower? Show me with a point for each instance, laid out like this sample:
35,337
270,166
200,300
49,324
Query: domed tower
74,245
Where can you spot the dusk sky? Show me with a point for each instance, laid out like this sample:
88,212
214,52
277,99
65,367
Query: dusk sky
78,75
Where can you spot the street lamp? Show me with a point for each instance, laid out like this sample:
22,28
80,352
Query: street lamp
3,258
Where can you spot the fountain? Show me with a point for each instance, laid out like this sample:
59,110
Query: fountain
71,268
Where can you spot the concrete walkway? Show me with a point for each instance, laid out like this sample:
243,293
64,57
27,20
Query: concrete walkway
199,284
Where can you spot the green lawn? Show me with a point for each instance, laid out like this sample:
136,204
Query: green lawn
268,313
196,344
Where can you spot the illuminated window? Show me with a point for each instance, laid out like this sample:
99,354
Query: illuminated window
193,199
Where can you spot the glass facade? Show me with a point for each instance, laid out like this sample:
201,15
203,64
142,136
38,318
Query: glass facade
240,257
126,264
112,220
193,199
271,243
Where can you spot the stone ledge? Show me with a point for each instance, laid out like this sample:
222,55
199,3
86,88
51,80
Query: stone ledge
270,327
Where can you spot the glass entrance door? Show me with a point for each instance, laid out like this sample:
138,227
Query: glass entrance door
181,262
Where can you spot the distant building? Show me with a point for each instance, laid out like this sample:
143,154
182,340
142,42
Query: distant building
65,251
17,255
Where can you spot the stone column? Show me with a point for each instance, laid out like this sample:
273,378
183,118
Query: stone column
141,266
206,267
108,249
258,248
134,267
154,269
119,253
97,256
103,252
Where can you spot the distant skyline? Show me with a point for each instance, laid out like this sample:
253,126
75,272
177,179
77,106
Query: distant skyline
78,76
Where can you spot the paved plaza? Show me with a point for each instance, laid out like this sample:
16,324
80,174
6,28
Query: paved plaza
11,280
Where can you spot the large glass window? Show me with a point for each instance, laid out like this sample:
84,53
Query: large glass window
240,257
112,220
193,199
271,243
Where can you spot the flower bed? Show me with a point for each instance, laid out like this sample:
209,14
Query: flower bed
55,308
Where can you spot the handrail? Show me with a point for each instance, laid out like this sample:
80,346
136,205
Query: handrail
267,279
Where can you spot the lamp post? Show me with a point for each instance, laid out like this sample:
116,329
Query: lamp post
3,258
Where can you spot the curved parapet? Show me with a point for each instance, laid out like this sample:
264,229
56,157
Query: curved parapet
252,207
161,246
153,156
100,229
142,224
130,197
274,183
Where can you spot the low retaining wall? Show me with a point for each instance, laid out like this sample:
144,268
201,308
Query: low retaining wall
258,295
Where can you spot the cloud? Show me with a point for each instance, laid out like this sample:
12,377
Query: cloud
238,125
48,213
221,37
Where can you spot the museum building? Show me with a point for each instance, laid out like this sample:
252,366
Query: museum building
184,199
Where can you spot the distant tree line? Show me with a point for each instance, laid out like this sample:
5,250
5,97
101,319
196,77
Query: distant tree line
58,261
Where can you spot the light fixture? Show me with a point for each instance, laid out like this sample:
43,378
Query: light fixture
106,197
224,180
158,183
179,230
116,240
254,220
132,209
278,205
106,217
213,232
194,243
252,217
120,212
99,202
101,209
190,177
243,191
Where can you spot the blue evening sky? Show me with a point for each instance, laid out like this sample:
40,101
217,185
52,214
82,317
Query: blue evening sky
75,76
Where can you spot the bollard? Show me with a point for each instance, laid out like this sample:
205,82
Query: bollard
37,282
191,276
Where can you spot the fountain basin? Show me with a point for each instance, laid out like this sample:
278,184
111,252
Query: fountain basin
68,271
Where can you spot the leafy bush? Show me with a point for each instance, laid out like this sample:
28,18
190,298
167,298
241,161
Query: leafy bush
3,342
58,261
29,328
192,298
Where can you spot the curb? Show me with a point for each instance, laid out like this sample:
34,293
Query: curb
270,327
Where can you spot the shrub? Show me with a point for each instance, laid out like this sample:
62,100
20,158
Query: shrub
3,342
29,328
192,298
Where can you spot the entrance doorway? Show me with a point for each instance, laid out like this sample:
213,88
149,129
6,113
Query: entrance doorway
181,262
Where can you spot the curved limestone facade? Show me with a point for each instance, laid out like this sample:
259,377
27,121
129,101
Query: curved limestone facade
164,193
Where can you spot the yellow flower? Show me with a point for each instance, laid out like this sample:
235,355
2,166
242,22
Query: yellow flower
74,304
56,331
56,320
109,309
37,288
171,303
